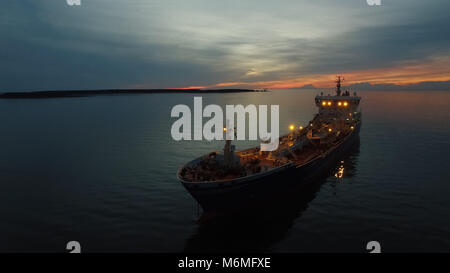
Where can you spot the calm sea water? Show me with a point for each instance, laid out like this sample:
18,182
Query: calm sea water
101,171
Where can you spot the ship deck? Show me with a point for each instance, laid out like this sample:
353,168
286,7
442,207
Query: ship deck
252,161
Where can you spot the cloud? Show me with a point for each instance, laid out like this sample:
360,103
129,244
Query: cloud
164,44
412,72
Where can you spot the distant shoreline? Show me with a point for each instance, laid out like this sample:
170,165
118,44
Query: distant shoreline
86,93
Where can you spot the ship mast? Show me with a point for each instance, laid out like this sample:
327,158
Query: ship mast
228,149
338,84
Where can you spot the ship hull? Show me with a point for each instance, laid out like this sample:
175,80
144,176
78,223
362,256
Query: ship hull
256,189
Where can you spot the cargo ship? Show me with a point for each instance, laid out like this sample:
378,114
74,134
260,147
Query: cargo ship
232,179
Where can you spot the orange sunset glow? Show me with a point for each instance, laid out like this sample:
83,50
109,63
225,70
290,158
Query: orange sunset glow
436,69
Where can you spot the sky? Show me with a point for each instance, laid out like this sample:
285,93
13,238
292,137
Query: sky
103,44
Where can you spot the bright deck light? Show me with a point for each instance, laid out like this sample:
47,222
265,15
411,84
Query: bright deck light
291,127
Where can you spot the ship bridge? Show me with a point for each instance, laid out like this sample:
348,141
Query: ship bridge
340,103
336,104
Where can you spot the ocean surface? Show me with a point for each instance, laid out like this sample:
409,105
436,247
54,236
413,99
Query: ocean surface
101,170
